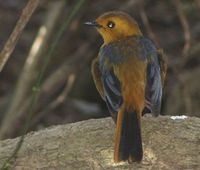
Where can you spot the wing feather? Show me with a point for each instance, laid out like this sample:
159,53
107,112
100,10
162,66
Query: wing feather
153,91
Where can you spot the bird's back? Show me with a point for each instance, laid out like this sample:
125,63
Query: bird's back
128,60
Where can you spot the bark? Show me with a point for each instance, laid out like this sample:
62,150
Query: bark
168,144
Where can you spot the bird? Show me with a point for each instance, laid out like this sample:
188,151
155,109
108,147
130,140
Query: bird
129,73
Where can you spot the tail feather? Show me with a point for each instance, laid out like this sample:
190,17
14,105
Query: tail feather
128,141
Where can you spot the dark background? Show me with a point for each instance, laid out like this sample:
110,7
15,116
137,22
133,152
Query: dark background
67,93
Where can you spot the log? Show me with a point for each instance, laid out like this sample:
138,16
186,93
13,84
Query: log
168,144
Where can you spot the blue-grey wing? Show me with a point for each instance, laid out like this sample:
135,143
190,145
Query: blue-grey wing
111,84
153,91
112,91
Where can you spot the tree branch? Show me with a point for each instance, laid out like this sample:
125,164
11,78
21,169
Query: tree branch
21,23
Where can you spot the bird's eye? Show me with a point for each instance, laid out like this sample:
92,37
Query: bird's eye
110,24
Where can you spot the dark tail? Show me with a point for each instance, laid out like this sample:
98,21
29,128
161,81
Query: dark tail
128,141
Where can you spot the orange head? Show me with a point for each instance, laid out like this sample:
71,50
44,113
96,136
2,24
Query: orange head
115,25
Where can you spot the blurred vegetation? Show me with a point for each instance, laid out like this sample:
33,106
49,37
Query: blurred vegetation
67,92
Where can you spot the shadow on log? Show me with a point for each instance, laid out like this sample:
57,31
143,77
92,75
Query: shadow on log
168,144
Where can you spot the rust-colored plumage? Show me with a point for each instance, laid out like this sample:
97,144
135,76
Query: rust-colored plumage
129,73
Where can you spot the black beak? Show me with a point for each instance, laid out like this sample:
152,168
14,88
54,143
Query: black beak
92,23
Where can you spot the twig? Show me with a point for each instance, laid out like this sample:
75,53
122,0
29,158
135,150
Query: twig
59,100
146,23
184,90
21,23
129,4
194,50
187,37
186,28
198,3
